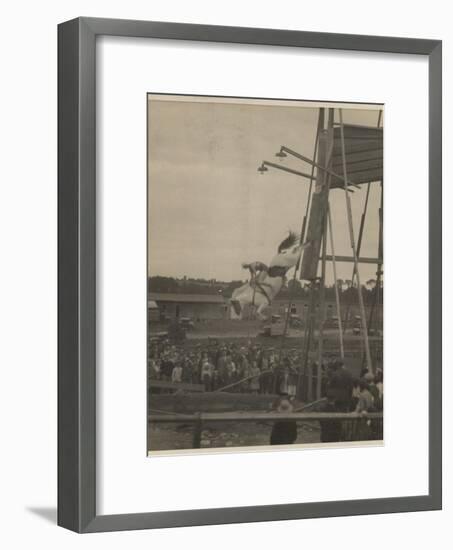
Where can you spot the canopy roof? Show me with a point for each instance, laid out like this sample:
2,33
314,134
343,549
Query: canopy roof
364,154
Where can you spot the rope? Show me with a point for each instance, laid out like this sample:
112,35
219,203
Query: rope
308,405
359,242
302,238
362,225
242,380
303,407
322,281
354,251
302,234
252,310
307,338
337,294
379,270
321,314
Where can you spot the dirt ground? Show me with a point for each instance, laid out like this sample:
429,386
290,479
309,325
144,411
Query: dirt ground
179,436
227,328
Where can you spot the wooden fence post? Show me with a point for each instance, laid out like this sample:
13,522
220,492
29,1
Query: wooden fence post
197,425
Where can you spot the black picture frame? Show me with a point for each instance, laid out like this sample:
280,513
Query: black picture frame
77,273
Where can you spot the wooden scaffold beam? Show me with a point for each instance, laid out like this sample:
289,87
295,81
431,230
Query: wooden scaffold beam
363,319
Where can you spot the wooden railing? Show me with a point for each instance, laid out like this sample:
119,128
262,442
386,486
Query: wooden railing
352,423
174,386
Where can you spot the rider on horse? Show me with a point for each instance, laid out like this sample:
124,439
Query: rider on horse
266,281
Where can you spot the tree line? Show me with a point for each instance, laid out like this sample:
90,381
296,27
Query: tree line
295,289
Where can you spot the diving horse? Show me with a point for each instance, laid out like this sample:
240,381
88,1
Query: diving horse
266,281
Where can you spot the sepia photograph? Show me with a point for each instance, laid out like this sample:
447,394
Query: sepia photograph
264,275
221,233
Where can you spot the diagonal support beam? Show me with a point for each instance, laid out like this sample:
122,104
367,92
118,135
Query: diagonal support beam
299,156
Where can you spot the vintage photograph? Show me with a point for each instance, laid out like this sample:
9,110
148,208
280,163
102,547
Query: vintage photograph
265,273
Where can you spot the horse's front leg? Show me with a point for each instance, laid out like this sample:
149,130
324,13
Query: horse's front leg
259,311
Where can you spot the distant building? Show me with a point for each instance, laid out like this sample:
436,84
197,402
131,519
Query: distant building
167,306
301,308
196,306
153,311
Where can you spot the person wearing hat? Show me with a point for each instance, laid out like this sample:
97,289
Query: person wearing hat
255,381
283,379
331,429
372,388
207,369
176,373
284,432
365,405
366,400
266,375
222,367
340,385
380,388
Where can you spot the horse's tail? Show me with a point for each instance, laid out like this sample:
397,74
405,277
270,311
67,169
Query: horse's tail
236,306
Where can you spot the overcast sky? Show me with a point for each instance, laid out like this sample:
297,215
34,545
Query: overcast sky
210,209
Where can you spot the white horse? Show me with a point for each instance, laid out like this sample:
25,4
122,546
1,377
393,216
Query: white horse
266,282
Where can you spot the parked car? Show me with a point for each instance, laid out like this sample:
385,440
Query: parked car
156,337
186,323
332,322
295,321
357,325
275,327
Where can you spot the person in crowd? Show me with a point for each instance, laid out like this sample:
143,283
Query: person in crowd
363,371
365,402
255,381
206,374
284,432
364,406
237,371
187,370
292,383
380,387
176,375
167,366
221,368
331,429
215,379
339,385
355,393
229,371
273,368
372,388
283,377
266,375
245,374
154,369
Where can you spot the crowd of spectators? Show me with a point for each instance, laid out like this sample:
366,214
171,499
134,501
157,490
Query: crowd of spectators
252,368
346,394
241,367
343,394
